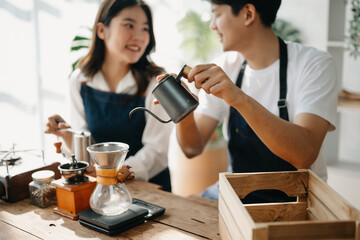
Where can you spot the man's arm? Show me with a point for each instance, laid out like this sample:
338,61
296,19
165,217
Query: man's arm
193,132
298,143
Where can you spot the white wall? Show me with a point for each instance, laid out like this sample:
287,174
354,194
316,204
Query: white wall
310,17
35,59
346,184
35,63
168,39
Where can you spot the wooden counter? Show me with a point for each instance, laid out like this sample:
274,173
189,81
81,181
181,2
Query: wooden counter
185,218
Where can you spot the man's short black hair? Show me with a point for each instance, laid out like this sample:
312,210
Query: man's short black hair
267,9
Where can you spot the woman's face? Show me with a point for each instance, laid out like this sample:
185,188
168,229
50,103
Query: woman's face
127,36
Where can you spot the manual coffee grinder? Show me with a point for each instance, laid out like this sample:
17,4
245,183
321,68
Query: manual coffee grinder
74,189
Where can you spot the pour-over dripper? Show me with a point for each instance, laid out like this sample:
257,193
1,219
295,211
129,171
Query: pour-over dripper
109,155
109,197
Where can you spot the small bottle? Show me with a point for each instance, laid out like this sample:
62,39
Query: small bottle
42,193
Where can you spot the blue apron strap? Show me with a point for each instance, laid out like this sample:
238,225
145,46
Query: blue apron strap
283,112
283,84
248,153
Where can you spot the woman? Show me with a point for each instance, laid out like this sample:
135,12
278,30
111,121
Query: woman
113,78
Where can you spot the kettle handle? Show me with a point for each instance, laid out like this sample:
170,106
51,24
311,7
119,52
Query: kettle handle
184,71
150,112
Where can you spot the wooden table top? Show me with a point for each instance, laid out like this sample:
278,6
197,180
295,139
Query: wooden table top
185,218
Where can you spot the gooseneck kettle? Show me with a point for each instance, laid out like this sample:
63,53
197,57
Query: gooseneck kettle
177,101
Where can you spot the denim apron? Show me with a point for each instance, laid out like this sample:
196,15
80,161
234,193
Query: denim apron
107,116
248,153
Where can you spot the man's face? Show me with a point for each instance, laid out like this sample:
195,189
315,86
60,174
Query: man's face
228,27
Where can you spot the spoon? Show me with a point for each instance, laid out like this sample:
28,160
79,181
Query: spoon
79,132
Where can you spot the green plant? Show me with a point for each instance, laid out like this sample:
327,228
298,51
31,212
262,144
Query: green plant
79,43
353,39
199,41
286,31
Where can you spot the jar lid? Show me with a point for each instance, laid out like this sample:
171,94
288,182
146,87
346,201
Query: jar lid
43,175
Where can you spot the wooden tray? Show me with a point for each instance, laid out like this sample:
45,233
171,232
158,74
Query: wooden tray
319,213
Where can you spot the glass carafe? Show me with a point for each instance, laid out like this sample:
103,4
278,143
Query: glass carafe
109,197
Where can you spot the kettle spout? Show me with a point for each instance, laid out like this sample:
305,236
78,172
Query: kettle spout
150,112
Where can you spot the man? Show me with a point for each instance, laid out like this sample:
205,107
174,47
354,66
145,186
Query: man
277,100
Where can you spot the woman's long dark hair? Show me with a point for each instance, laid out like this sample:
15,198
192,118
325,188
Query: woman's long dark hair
144,69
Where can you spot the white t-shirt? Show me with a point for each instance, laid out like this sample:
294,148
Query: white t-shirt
151,159
311,88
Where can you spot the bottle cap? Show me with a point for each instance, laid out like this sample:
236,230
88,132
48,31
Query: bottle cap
43,175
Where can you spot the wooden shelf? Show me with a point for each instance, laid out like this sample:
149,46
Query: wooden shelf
349,100
349,103
346,166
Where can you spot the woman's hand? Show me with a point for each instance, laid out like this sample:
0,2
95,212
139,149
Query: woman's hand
55,123
159,78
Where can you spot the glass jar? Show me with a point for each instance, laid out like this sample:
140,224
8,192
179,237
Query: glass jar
42,193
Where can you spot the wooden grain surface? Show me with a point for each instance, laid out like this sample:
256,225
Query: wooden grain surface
324,215
340,208
299,230
292,183
233,205
277,212
184,218
10,232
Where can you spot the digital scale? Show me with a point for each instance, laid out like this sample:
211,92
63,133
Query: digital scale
139,212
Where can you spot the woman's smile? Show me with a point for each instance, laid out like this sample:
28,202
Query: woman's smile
133,47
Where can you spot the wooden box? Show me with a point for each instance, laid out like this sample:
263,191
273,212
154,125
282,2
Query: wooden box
14,186
319,213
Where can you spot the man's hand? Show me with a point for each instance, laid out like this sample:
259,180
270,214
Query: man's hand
213,80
